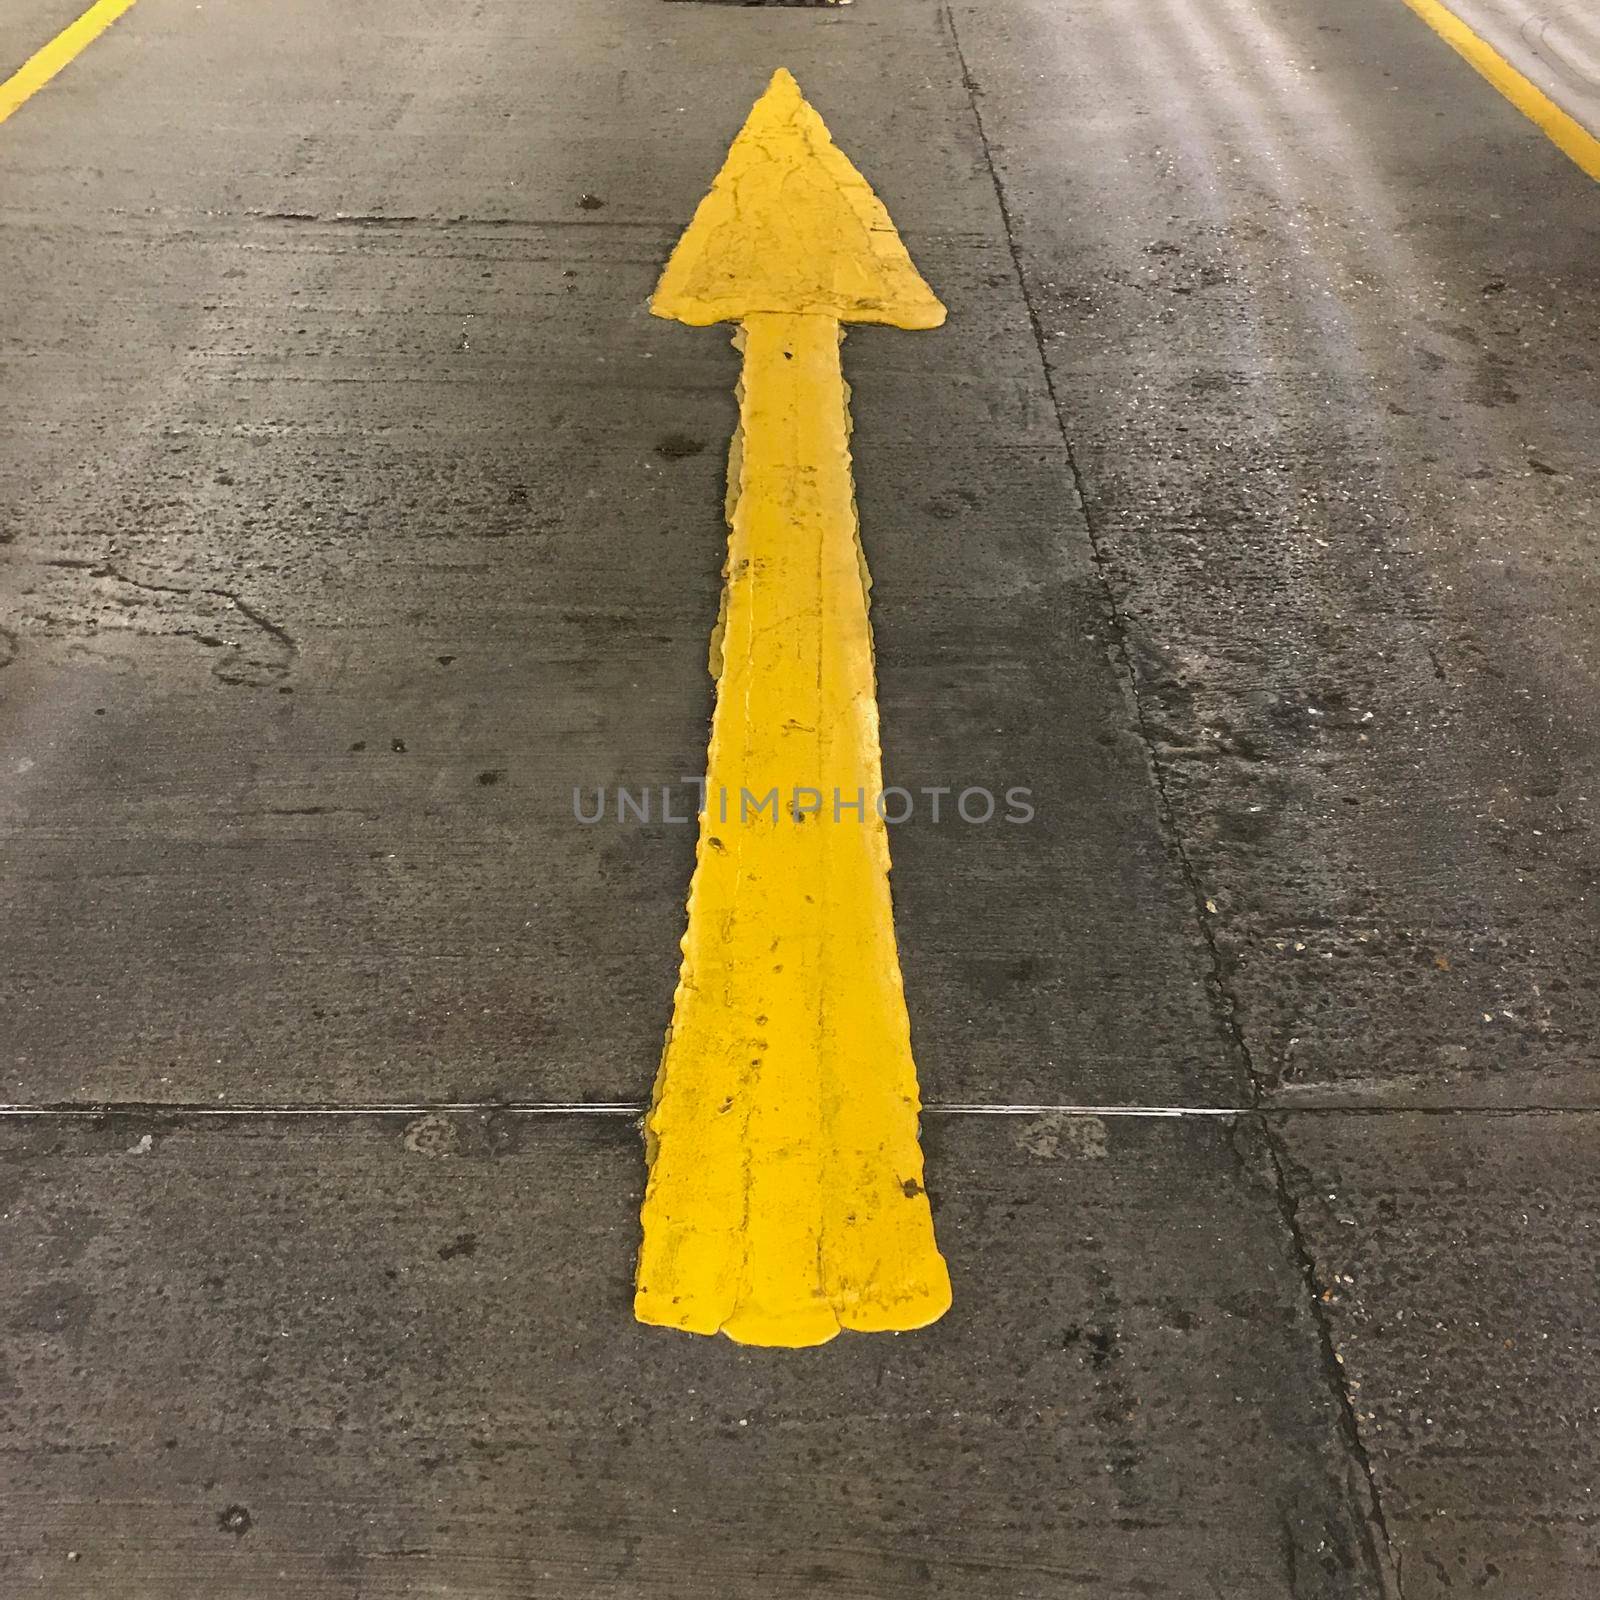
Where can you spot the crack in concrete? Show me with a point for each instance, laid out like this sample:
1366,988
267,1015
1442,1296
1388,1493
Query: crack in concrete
1387,1557
1225,1004
235,667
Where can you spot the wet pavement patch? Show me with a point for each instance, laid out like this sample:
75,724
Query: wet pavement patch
677,446
234,1520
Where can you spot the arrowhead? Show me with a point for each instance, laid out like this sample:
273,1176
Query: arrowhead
791,226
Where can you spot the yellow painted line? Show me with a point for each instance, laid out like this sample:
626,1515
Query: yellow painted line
785,1199
1564,131
44,64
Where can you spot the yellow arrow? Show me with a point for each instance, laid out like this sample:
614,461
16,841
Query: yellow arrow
785,1198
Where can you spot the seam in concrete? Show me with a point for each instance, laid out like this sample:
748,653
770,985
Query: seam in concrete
1386,1558
1225,1005
242,1110
199,1109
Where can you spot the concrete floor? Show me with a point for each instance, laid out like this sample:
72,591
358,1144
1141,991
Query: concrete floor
354,510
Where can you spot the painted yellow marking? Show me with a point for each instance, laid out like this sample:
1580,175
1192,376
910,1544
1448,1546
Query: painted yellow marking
1564,131
44,64
785,1199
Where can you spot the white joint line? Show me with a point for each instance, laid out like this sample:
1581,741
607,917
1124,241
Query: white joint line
961,1109
389,1108
562,1108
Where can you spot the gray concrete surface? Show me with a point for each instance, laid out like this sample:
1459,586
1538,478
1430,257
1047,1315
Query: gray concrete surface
438,438
406,1353
353,510
1458,1255
1320,317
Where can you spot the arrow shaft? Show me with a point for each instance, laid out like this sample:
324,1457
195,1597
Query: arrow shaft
785,1196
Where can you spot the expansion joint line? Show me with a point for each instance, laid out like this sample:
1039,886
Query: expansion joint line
178,1111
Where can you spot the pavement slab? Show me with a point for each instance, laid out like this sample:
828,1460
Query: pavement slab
354,512
374,1357
1325,383
414,528
1457,1259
